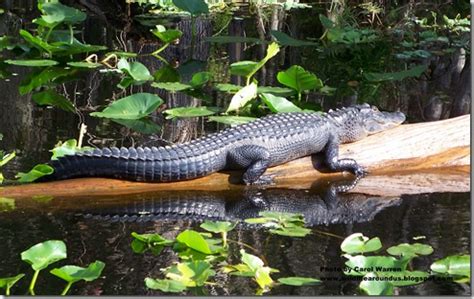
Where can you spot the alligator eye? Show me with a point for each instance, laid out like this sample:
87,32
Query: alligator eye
375,109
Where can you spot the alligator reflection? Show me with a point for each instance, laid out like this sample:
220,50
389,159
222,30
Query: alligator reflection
327,206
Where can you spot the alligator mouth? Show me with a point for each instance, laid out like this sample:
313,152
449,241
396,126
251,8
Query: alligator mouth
384,121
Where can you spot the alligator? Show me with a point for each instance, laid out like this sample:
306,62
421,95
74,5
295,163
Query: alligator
253,147
319,207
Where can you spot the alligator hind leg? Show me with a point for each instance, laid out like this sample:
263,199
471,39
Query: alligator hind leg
255,159
336,164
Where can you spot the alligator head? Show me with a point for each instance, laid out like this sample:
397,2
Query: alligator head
358,121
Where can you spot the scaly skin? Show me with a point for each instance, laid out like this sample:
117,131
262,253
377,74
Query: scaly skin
255,146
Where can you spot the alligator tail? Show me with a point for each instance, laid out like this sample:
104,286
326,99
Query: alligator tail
136,164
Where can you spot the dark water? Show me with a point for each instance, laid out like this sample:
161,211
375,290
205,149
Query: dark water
394,220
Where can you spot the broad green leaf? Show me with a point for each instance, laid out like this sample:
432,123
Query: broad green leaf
7,204
278,104
286,40
73,274
166,35
242,97
218,226
58,13
135,106
183,112
38,171
166,74
326,22
222,39
194,240
8,282
453,265
252,261
84,64
243,68
32,62
199,79
37,42
360,265
165,285
406,249
291,231
142,125
263,279
358,243
278,91
299,79
68,147
44,254
191,274
4,159
44,77
371,286
232,120
51,97
194,7
136,70
171,86
397,76
298,281
153,242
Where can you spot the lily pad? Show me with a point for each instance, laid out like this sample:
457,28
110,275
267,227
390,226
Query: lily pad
165,285
360,265
73,274
183,112
298,281
279,104
358,243
135,106
38,171
194,240
44,254
408,250
32,62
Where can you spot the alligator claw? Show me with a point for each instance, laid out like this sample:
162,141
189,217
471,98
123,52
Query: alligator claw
360,172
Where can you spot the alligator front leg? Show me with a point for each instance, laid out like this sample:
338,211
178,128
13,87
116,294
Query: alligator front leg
255,159
332,159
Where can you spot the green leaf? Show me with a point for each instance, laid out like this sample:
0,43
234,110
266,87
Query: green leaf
243,68
242,97
183,112
194,7
298,281
51,97
360,265
166,74
153,242
453,265
191,274
358,243
286,40
279,104
142,125
38,171
373,287
37,42
397,76
194,240
44,77
44,254
136,70
291,231
218,226
32,62
199,79
410,250
299,79
8,282
7,204
68,147
222,39
278,91
166,35
6,158
232,120
165,285
263,279
171,86
252,261
326,22
73,274
132,107
84,64
57,13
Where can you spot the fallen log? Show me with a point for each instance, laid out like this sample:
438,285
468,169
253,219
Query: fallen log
411,148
